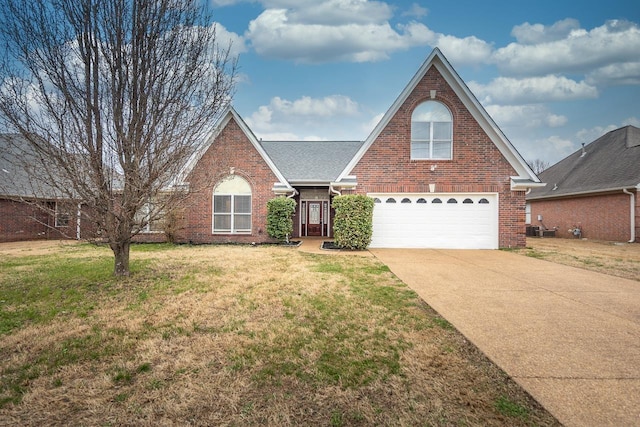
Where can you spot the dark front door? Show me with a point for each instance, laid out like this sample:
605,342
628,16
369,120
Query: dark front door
314,219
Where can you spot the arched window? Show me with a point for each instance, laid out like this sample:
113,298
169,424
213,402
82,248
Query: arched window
431,131
436,200
376,200
406,200
468,201
391,200
452,200
421,200
232,206
483,201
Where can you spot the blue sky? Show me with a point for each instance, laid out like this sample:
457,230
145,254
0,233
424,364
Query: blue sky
552,74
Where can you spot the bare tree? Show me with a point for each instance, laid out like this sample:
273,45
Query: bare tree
114,96
538,165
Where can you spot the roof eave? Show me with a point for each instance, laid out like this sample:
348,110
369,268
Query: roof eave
524,184
585,192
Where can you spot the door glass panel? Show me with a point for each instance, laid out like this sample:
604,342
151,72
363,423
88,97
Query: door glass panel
314,213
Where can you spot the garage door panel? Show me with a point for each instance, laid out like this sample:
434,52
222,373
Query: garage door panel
436,225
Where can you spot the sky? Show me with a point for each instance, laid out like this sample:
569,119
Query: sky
552,74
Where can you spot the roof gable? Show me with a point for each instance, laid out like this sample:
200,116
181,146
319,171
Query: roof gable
437,59
229,115
611,162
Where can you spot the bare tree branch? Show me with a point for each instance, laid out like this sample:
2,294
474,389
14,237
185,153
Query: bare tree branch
114,96
538,165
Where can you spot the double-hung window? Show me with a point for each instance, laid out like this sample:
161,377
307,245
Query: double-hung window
431,132
232,206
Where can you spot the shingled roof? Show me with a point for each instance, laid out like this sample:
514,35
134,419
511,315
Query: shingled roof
21,173
611,162
311,161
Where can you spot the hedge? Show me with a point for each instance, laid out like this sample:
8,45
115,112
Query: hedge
353,222
280,218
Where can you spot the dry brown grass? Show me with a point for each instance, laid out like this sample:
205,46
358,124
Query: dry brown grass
228,335
613,258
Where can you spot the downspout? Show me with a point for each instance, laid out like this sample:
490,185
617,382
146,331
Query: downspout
78,216
334,191
293,194
632,217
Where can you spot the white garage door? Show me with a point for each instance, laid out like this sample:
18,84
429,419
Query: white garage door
444,221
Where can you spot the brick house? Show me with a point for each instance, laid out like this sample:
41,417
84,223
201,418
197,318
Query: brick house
29,209
592,193
441,172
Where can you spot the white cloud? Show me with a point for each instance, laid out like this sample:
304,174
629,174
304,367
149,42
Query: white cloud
525,116
416,11
616,74
313,31
307,106
225,38
617,41
508,90
634,121
468,50
589,135
549,149
303,118
537,33
340,12
274,34
368,126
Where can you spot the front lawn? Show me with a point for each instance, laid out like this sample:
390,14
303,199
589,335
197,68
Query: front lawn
235,335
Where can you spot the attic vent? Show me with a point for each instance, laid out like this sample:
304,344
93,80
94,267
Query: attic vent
555,187
583,152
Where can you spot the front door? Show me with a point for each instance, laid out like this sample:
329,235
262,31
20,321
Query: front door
314,219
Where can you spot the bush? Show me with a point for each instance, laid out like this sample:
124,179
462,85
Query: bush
353,222
279,218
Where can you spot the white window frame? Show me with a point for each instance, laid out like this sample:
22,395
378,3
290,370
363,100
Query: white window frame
58,215
151,226
431,139
233,229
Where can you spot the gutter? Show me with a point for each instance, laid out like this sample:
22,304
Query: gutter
578,193
632,216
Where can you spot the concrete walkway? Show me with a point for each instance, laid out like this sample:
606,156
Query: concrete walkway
570,337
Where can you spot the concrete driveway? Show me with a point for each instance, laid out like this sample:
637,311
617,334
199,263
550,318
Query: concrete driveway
570,337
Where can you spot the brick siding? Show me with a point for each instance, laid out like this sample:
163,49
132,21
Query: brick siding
231,149
601,217
477,164
25,221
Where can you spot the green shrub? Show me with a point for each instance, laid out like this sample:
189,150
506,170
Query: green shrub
280,218
353,222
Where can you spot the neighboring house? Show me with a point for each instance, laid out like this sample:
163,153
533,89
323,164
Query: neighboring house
29,208
593,193
441,172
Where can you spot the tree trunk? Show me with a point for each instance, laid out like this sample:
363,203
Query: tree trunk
121,255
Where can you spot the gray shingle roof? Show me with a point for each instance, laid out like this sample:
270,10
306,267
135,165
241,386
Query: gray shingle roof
20,172
311,161
610,162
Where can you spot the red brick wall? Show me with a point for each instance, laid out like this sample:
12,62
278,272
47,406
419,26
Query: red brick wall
231,149
476,166
23,221
603,217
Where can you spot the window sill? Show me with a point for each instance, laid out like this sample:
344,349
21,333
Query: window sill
231,233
